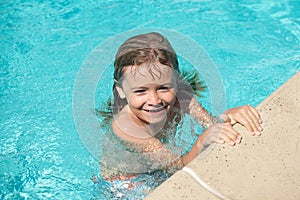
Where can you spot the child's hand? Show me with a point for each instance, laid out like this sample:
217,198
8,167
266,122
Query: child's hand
246,116
220,133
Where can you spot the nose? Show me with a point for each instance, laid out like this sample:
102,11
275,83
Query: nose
154,98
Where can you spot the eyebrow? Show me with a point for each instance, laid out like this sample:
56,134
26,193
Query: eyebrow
145,87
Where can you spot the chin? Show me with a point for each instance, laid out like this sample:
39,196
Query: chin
157,119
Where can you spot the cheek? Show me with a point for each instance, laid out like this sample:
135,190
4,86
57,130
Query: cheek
135,101
169,97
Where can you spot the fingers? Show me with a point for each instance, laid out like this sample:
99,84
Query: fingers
253,124
256,113
229,135
252,121
248,117
224,133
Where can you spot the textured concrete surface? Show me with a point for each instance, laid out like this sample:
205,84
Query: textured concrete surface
261,168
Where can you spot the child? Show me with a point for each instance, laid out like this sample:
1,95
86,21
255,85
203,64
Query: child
151,98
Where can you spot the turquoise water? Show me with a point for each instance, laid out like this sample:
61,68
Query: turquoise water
43,44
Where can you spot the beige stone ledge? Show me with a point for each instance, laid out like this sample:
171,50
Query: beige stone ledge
260,168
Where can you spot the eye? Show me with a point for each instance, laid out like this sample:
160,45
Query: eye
164,89
139,91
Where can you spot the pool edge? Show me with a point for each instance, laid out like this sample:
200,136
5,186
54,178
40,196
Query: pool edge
182,186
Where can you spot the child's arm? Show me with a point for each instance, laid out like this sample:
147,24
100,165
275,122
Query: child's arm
191,106
200,114
218,132
245,115
165,158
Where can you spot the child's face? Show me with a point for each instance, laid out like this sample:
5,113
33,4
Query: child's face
150,95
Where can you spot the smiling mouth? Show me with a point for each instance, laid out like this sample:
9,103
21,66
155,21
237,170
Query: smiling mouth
156,110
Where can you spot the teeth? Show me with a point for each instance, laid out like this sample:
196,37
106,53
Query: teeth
157,110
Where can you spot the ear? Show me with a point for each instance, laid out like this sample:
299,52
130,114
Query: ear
120,92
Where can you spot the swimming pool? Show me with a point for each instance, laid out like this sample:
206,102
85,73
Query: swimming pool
255,47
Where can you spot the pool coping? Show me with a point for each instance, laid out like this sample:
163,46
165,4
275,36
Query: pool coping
261,167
